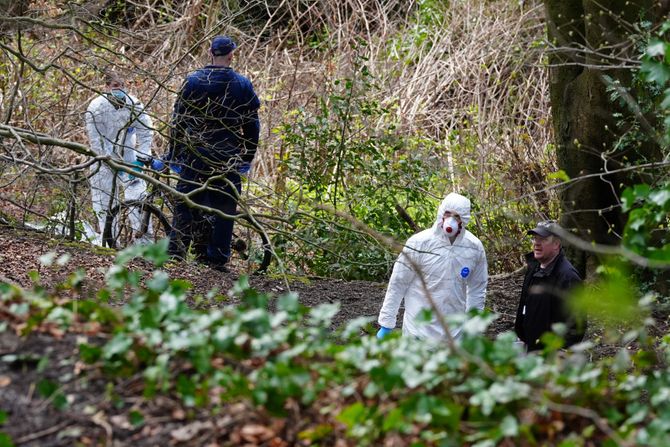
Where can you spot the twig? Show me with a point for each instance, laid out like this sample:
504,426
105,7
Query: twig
617,250
585,413
43,433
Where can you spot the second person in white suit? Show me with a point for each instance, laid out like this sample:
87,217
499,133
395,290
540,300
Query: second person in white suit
445,262
118,126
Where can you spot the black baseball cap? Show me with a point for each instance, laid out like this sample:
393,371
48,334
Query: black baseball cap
544,229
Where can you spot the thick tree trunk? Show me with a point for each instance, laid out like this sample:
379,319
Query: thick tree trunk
586,33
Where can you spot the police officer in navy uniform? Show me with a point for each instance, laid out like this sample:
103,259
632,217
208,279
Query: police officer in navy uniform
214,136
545,292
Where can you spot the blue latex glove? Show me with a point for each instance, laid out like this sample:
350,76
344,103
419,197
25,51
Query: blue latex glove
138,168
157,165
177,168
244,168
383,332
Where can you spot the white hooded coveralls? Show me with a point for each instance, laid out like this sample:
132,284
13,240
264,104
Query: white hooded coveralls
119,132
455,274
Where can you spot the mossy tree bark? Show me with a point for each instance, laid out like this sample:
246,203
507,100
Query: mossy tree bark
592,41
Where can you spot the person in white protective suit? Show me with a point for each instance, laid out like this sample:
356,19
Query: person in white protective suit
118,126
452,263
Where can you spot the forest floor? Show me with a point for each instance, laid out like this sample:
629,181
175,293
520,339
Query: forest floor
92,418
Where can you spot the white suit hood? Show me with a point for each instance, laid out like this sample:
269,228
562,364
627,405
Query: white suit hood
455,203
454,274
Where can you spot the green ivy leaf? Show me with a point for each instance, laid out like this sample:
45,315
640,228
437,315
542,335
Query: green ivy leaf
159,282
324,313
186,387
289,302
655,72
656,47
354,327
612,299
202,358
51,390
136,418
394,420
660,197
509,426
352,415
425,316
632,195
89,353
119,344
627,200
156,253
665,103
477,324
660,254
46,388
42,364
6,440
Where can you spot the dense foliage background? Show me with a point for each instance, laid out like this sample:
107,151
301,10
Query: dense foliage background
374,109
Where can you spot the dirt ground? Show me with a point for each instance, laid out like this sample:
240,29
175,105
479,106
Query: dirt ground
94,414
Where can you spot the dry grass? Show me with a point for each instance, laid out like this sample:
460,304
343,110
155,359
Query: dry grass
472,79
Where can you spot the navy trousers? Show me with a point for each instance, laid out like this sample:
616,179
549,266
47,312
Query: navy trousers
209,234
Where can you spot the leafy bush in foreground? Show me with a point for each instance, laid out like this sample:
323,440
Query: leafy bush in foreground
346,384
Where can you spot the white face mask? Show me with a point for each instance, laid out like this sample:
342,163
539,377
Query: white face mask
450,226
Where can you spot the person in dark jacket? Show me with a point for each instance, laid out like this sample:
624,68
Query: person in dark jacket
544,294
214,136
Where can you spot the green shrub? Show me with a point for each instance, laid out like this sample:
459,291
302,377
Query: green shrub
348,156
480,391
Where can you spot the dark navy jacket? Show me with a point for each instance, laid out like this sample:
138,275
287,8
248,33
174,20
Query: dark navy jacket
215,124
543,302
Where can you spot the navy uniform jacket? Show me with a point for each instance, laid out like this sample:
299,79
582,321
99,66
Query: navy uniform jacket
215,124
543,302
